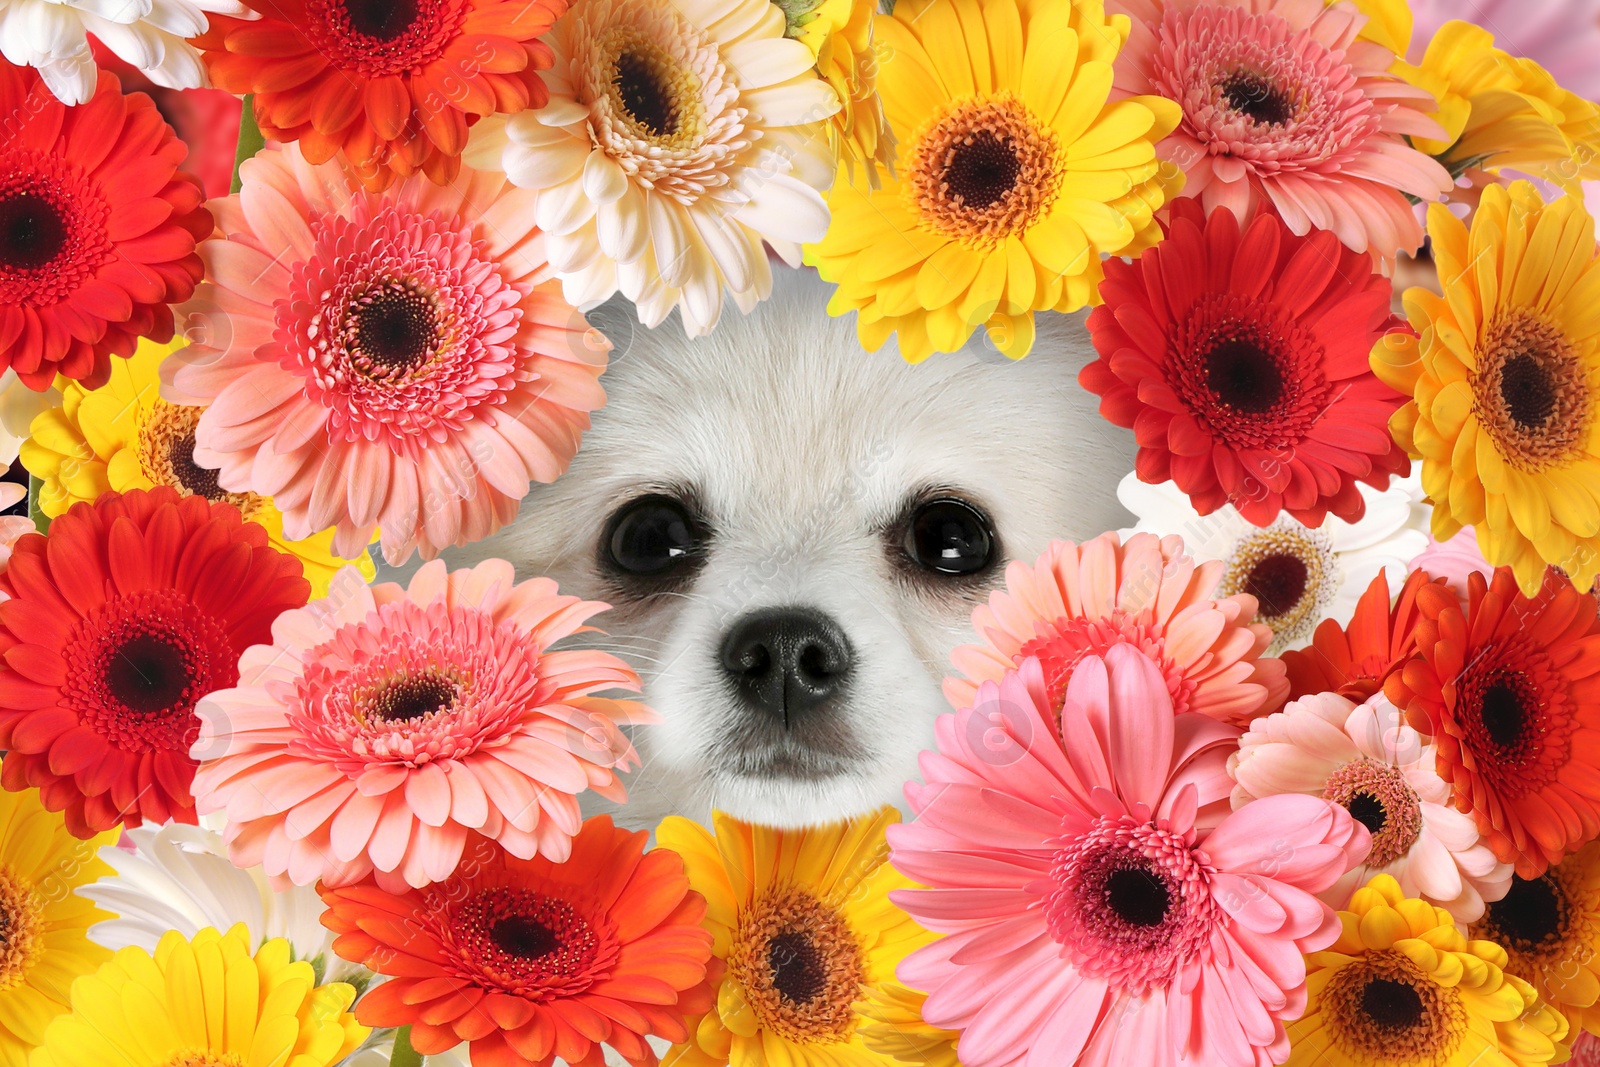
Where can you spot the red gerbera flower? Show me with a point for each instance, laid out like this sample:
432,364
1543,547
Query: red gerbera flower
529,960
1509,687
391,84
132,609
1354,660
97,229
1240,361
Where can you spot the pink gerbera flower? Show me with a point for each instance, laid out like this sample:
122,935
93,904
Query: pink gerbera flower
1099,908
1283,103
397,361
384,727
1080,600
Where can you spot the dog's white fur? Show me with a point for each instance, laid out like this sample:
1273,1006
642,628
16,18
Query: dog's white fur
802,448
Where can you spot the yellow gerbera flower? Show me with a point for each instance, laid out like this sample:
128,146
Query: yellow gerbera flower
1402,987
1014,174
205,1002
1505,381
839,34
124,436
810,941
44,923
1550,929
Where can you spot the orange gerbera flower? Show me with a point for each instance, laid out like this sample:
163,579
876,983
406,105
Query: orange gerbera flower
529,960
1509,687
391,85
1354,660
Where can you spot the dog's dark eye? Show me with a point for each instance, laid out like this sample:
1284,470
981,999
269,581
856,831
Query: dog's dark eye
651,536
949,537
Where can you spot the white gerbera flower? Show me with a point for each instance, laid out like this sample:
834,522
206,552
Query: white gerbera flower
679,137
1297,574
1366,758
149,34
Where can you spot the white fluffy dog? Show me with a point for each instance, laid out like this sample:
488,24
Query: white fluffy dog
793,532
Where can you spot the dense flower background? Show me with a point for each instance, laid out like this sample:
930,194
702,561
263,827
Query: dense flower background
1303,767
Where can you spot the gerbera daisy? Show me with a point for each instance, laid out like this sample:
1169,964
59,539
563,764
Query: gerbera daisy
1563,36
890,1023
45,918
123,436
97,227
385,726
394,362
131,610
1402,986
839,34
677,139
19,406
1298,575
1365,758
1284,105
389,87
204,1001
529,960
12,527
1549,927
1454,560
1505,382
53,35
1099,902
803,923
1509,688
1014,175
1240,361
1354,659
1080,600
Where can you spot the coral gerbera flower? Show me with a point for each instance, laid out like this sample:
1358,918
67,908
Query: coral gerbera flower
1549,927
385,726
1240,360
1368,760
123,436
1099,905
1284,105
1509,688
205,1001
394,362
97,228
117,623
839,33
1080,600
45,917
803,922
1402,986
389,87
1354,659
677,139
1300,576
529,960
1504,381
1015,175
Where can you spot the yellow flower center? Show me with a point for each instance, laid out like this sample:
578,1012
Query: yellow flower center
1289,570
1531,393
21,940
800,967
984,170
205,1058
1384,1009
651,91
166,455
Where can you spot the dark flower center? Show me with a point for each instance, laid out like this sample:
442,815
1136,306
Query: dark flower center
383,20
1367,810
1391,1005
1244,377
1137,896
201,481
1503,716
982,169
1529,915
395,330
1529,391
1257,99
32,232
798,974
645,95
148,674
1277,582
523,936
409,699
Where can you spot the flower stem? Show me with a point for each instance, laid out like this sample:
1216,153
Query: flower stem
40,519
404,1055
250,139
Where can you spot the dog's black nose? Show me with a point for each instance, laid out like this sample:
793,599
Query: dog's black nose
786,661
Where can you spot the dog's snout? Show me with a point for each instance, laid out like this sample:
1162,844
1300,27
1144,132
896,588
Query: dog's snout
786,661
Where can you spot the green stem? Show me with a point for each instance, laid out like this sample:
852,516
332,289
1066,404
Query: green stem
250,139
40,519
404,1055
